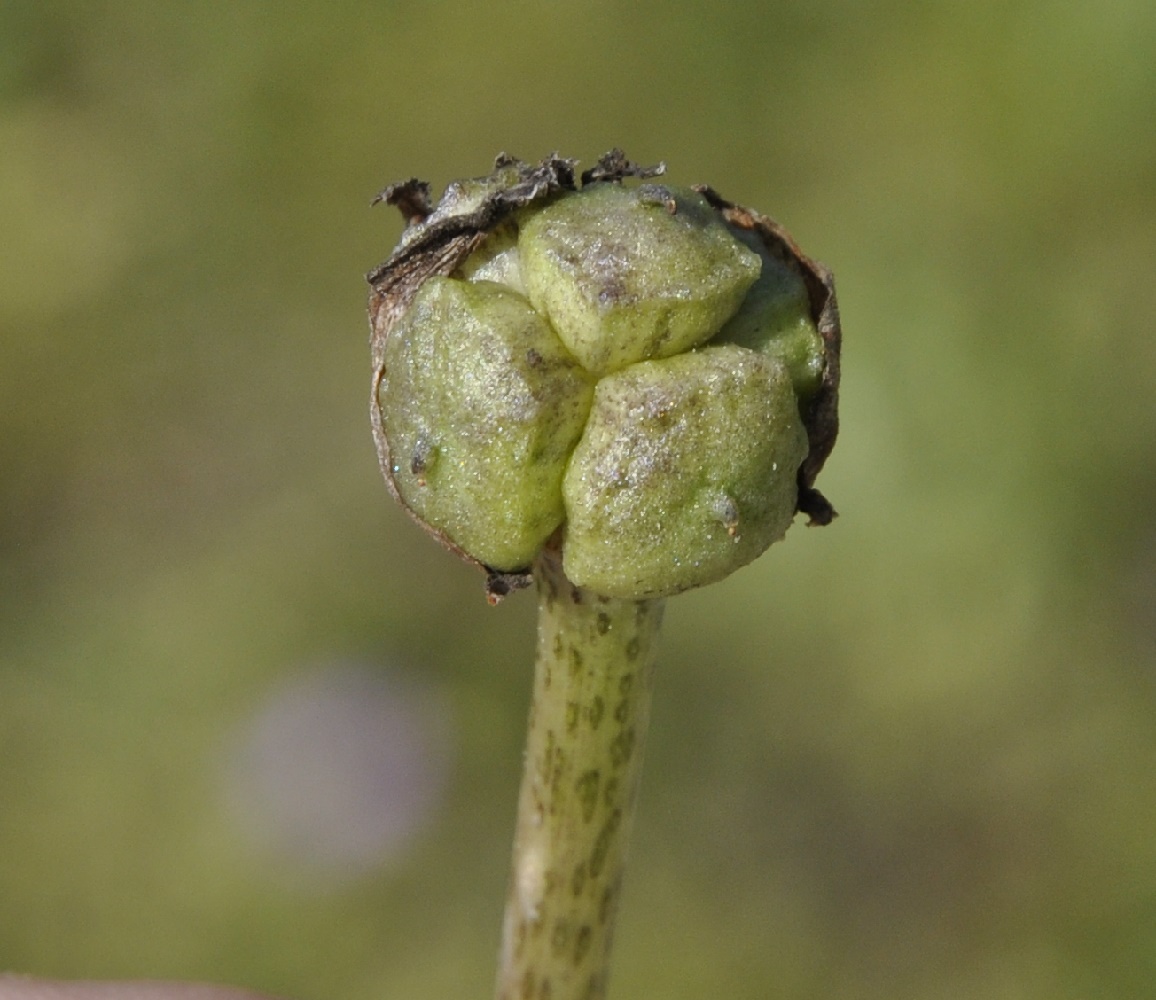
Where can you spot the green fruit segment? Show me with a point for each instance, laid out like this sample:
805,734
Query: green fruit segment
627,275
685,472
775,319
481,406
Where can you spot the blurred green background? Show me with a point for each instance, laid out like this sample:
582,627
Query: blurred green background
911,755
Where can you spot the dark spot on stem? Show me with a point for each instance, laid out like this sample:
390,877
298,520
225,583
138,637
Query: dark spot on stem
545,762
621,747
560,937
610,792
587,788
582,943
578,879
606,903
555,780
575,660
597,711
632,649
602,844
603,623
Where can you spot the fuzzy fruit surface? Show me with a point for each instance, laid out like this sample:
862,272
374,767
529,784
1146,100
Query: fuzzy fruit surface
628,275
669,487
618,362
483,406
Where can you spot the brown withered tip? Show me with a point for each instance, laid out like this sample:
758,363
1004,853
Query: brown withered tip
411,198
614,166
439,237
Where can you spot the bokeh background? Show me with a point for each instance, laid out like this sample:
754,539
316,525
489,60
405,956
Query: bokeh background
256,728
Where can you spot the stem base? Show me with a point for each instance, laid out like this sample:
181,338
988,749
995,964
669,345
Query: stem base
593,680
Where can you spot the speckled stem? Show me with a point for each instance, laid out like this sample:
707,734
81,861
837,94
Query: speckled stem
593,680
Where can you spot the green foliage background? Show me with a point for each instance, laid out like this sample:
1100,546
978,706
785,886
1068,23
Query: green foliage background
911,755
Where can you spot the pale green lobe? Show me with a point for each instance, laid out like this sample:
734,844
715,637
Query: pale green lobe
775,319
685,472
481,406
627,275
497,259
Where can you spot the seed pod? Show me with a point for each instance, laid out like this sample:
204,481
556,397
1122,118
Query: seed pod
646,376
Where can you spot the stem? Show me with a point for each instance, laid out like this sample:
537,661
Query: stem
593,679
